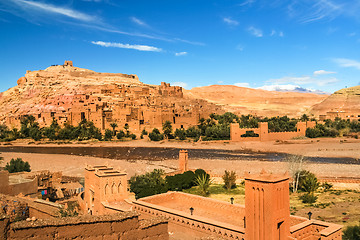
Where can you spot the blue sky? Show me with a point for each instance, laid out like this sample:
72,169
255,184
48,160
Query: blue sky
287,44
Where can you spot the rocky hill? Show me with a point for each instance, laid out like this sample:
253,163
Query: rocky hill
243,100
345,100
71,94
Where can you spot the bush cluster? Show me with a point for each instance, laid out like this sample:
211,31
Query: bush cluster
154,182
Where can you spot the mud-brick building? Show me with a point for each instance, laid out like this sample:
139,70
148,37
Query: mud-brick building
265,215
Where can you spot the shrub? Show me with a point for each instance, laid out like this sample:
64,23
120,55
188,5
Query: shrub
308,198
17,165
120,134
326,186
148,184
144,132
155,135
179,182
352,233
133,136
229,179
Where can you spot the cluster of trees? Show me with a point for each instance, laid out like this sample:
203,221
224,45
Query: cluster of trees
85,130
334,128
17,165
217,127
155,182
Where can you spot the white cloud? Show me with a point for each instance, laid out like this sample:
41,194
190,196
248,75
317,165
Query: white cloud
127,46
138,21
344,62
304,80
322,72
56,9
281,34
247,2
181,54
289,88
244,84
275,33
180,84
255,31
230,21
220,82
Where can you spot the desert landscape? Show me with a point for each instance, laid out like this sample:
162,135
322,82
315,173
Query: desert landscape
177,120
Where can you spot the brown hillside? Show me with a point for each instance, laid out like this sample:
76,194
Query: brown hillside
344,100
256,101
71,94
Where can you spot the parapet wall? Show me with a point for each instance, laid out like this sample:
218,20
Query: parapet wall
119,226
315,229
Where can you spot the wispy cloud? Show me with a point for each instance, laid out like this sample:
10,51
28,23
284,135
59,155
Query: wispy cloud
36,12
240,47
322,72
127,46
181,54
138,21
275,33
68,12
243,84
255,31
246,2
230,21
344,62
180,84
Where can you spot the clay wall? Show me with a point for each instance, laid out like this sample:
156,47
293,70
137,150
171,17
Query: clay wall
265,135
316,230
119,226
191,222
4,182
25,188
4,226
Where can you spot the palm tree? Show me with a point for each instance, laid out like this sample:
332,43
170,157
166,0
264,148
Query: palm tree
113,125
203,181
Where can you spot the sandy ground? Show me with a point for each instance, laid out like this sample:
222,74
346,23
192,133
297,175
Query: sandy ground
320,147
325,147
74,165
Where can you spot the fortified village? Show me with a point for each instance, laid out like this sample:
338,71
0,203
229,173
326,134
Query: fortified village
109,212
41,204
71,94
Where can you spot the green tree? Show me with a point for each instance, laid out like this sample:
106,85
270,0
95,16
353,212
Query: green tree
155,135
180,134
52,132
114,126
229,179
17,165
308,182
182,181
167,129
148,184
352,233
108,135
126,127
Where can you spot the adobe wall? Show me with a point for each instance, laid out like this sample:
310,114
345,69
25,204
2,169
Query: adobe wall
4,226
265,135
4,182
156,205
25,188
316,230
119,226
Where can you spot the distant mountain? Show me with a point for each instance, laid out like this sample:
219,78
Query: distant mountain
243,100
